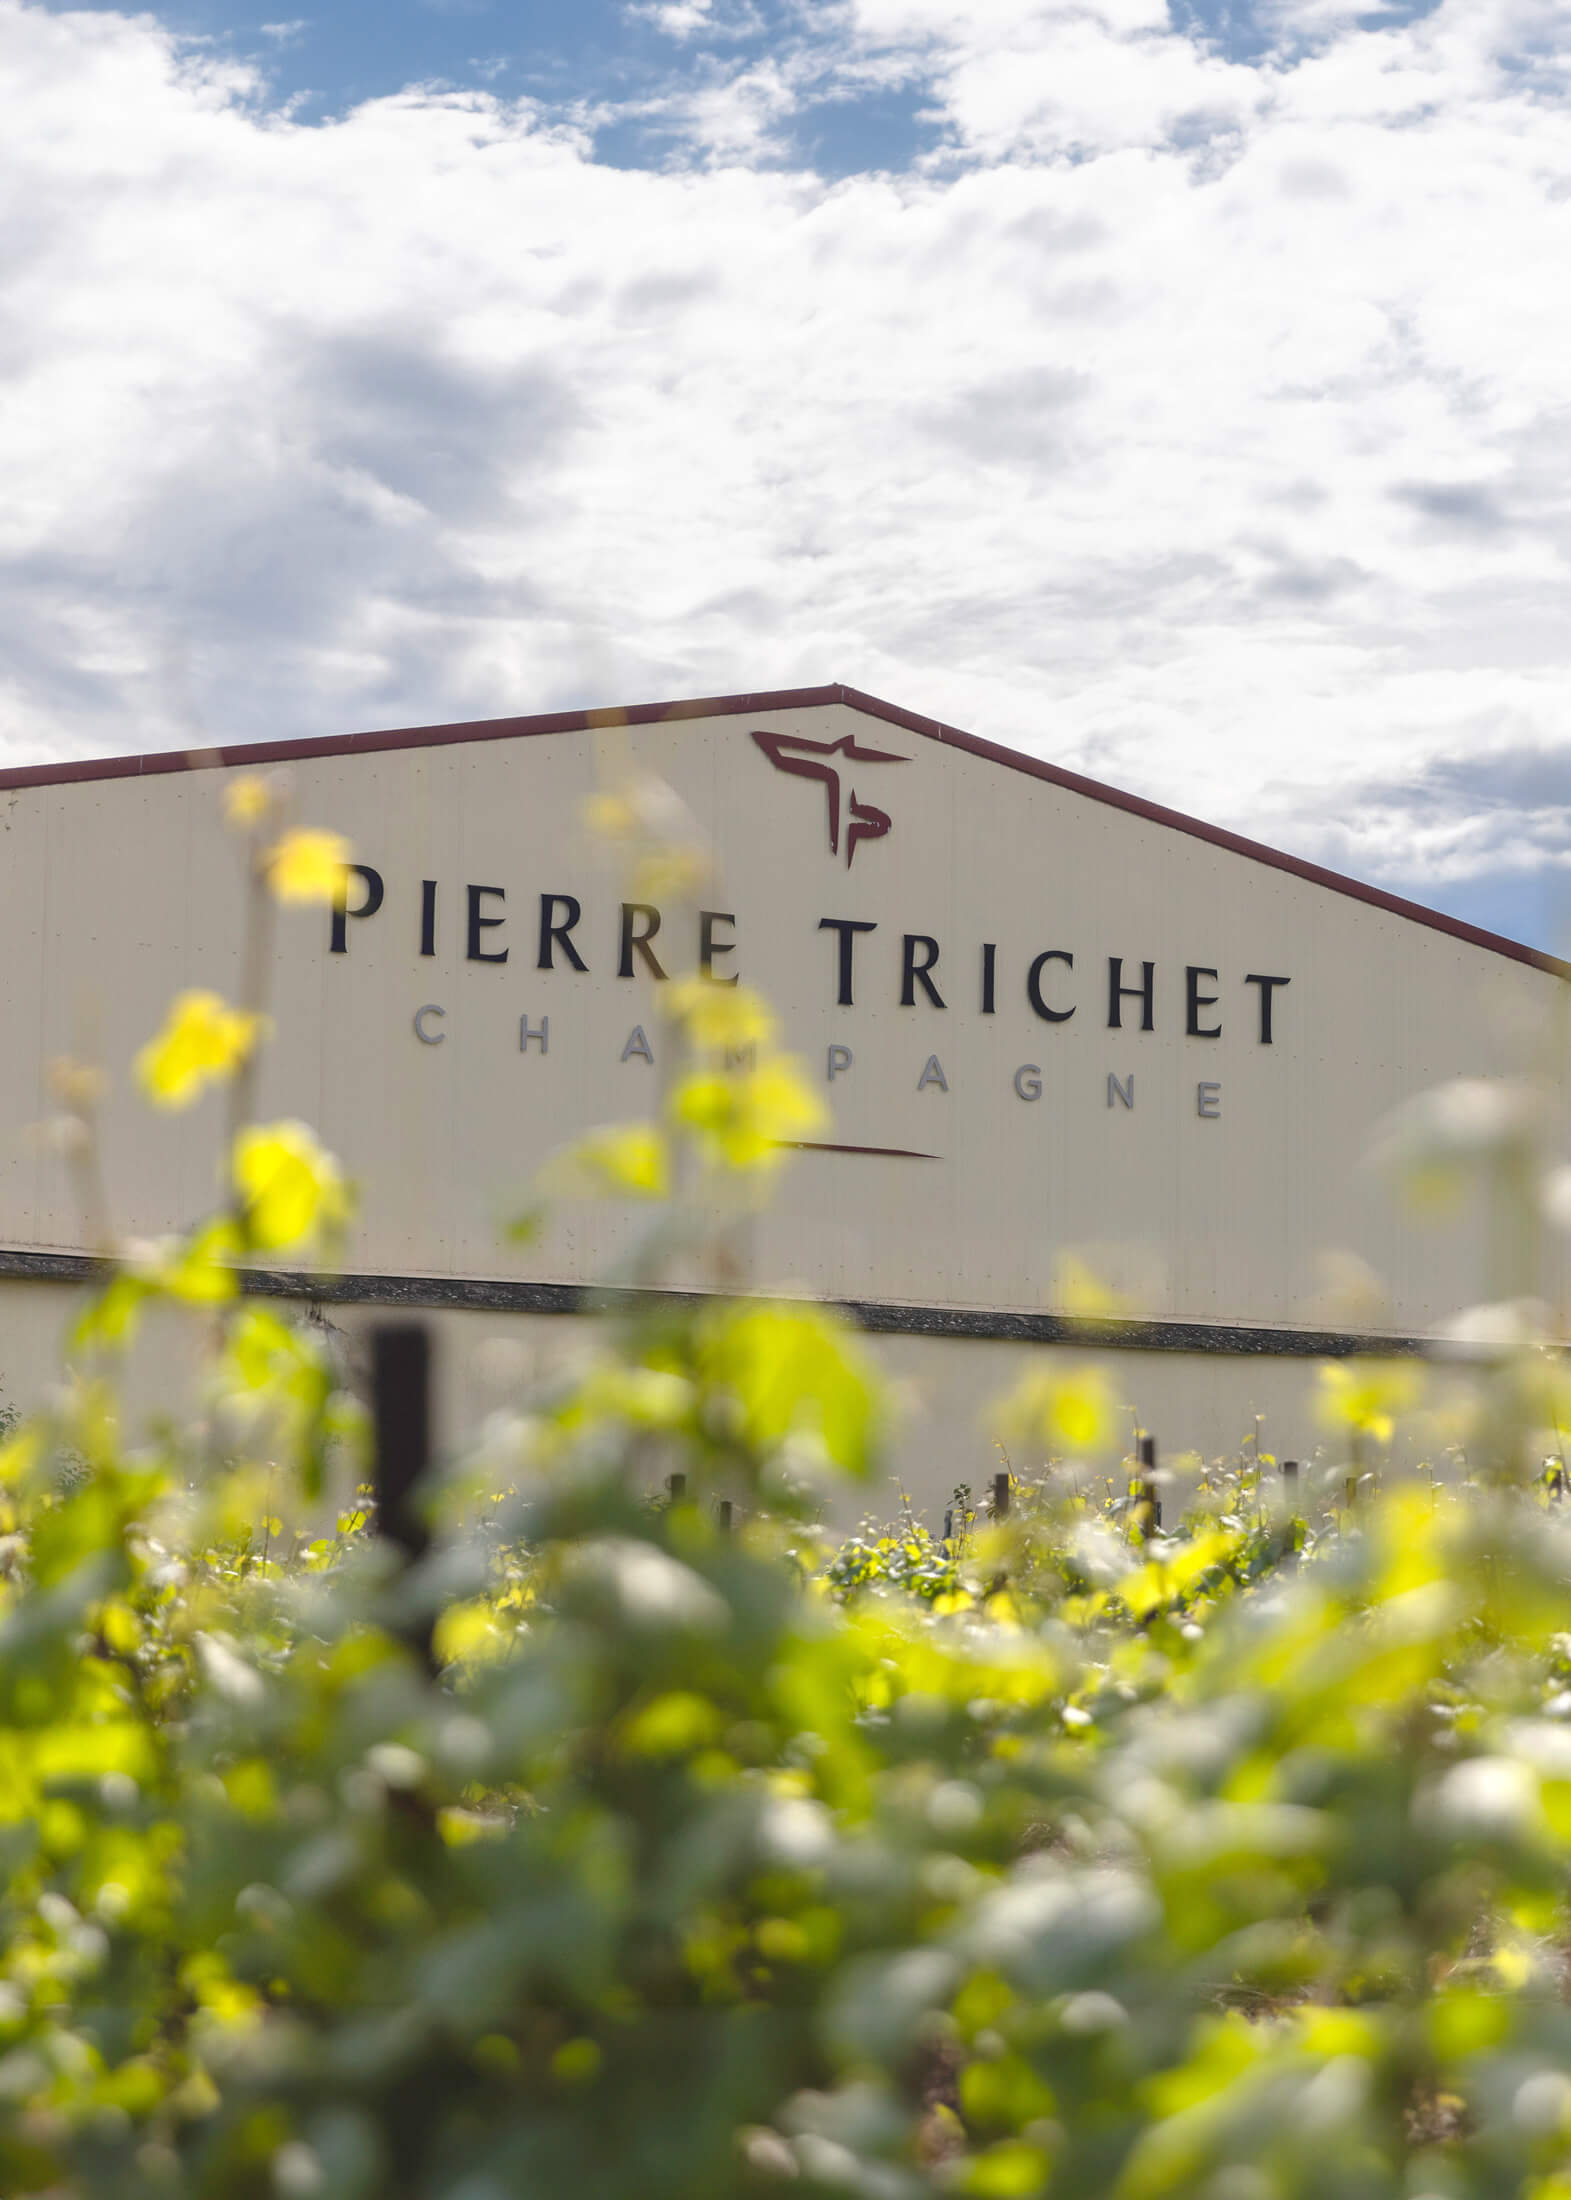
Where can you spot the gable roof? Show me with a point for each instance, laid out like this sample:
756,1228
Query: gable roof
736,706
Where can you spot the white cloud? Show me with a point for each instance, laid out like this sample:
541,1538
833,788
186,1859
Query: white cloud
1081,76
1197,423
689,19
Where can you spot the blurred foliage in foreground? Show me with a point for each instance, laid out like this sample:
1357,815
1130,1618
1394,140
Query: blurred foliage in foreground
1066,1857
1231,1862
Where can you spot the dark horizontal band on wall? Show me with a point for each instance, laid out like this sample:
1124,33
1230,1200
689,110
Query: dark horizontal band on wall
883,1317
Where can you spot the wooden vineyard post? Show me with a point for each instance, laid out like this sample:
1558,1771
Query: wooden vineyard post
401,1440
401,1429
1148,1506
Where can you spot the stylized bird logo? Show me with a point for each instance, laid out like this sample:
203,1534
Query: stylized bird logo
798,756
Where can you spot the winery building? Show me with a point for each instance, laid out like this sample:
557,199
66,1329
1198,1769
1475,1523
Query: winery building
1071,1043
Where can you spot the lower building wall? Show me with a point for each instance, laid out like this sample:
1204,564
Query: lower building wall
946,1391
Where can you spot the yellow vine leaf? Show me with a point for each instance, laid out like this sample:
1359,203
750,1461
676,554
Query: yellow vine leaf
655,830
247,800
1074,1411
745,1122
202,1042
624,1160
1365,1397
203,1270
308,865
792,1370
292,1186
721,1017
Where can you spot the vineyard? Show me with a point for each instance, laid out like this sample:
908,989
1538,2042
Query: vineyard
615,1830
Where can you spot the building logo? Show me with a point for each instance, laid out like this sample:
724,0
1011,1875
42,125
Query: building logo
805,759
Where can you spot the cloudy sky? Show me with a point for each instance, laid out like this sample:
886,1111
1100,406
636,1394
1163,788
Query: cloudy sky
1179,389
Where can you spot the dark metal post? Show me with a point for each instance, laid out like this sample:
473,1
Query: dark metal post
1001,1496
725,1516
1148,1504
401,1433
401,1429
676,1487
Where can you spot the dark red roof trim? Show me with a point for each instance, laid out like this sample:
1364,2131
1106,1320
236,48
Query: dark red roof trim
735,706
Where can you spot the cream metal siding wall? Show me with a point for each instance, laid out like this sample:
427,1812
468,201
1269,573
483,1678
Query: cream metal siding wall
114,893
